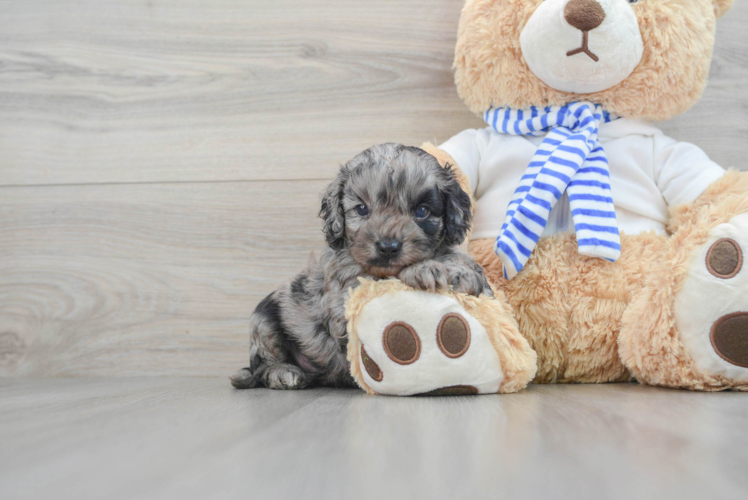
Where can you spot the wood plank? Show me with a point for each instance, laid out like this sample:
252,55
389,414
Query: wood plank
198,438
97,91
110,91
719,122
144,279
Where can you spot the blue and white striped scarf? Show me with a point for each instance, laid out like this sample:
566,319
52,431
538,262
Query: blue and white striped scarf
570,159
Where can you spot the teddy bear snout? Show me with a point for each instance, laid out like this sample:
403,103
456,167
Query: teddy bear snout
585,15
582,46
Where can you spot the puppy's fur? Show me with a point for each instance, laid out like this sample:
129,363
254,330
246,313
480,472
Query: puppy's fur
392,211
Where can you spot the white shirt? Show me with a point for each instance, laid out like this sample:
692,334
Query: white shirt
649,172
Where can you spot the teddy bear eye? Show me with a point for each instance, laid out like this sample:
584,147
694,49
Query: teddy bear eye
362,210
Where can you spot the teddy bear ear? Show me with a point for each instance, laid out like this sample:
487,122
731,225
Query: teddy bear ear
722,6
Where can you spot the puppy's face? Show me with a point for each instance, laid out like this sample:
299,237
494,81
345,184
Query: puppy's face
392,206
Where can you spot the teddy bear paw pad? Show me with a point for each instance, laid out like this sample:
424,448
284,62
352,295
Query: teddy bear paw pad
711,310
401,343
418,343
453,335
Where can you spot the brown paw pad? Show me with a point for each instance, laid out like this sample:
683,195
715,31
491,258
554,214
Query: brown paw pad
730,338
453,335
371,367
455,390
401,343
725,258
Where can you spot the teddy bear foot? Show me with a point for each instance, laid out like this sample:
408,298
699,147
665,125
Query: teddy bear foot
406,342
417,356
711,309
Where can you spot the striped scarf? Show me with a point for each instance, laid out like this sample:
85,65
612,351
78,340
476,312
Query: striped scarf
570,159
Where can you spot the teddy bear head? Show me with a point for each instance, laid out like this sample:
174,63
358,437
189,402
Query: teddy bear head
644,59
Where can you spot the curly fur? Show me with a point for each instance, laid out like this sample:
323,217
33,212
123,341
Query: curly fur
388,193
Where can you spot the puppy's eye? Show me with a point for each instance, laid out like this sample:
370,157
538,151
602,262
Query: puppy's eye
422,212
633,1
362,210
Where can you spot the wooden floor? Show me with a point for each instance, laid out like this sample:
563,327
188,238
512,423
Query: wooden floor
198,438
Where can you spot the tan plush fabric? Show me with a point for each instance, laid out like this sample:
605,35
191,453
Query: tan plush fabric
722,6
518,360
569,306
649,342
678,40
592,322
720,202
587,320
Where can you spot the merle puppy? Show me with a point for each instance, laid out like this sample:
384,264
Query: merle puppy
392,211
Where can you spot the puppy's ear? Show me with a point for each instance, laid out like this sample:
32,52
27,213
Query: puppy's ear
457,214
332,213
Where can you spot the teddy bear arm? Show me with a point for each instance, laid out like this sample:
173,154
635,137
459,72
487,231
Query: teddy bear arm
720,202
446,159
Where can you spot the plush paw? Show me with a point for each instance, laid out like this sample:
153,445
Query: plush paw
442,348
403,341
711,309
428,275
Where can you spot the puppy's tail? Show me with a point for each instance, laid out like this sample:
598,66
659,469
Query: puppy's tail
243,379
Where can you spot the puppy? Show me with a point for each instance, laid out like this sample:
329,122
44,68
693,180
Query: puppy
392,211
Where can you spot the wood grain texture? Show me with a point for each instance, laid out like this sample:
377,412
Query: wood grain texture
719,122
198,438
172,90
135,279
160,160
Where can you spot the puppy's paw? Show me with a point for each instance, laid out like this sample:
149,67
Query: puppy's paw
244,379
428,275
470,282
284,377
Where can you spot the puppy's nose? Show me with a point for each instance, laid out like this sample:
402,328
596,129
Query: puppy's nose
388,247
585,15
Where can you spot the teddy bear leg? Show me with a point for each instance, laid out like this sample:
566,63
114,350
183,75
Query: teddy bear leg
407,342
569,306
688,327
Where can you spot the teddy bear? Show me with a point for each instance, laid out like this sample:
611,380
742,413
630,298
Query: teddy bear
615,252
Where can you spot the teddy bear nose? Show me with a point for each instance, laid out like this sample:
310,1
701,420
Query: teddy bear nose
585,15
